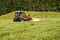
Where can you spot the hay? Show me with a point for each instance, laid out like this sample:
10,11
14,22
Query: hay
35,19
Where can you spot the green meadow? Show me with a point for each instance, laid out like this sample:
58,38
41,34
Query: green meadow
48,28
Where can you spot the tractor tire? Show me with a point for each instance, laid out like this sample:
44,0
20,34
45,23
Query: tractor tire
27,19
15,20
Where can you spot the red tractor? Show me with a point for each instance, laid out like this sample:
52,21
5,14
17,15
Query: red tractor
21,16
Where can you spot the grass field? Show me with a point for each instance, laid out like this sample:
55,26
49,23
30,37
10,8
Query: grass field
46,29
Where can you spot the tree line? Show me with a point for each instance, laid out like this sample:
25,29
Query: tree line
7,6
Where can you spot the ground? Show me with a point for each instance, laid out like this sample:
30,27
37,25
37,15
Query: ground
48,28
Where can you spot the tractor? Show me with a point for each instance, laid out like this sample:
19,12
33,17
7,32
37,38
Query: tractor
21,16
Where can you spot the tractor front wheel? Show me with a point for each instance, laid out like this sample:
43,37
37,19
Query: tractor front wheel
17,19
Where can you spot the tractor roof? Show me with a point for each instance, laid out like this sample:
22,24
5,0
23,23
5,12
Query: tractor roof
19,11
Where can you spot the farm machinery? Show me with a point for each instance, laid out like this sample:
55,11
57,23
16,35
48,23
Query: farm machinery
21,16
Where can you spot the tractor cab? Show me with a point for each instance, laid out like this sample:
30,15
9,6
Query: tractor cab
19,13
21,16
